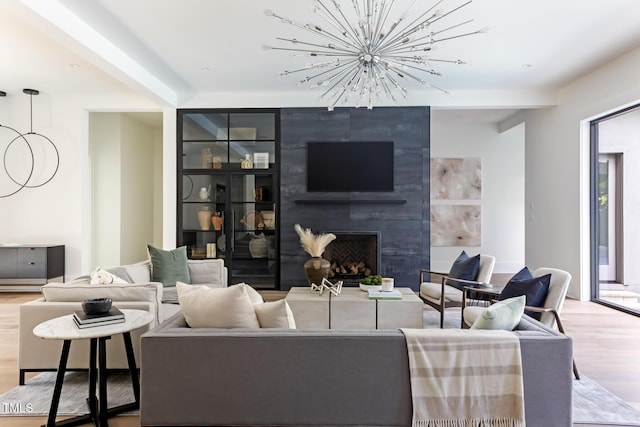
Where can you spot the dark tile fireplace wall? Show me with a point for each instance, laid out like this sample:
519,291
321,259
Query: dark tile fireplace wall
401,217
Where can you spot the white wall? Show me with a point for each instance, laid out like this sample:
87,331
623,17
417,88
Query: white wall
557,168
126,211
502,203
137,189
106,181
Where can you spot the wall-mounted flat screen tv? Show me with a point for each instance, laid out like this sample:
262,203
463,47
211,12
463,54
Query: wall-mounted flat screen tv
341,166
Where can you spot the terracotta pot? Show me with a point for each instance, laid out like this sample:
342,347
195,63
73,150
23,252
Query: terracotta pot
216,220
316,269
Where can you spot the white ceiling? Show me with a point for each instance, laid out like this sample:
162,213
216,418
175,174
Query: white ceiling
177,50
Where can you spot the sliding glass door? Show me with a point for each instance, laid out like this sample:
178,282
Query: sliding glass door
615,208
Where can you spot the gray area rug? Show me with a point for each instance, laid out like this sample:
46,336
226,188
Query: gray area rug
34,398
593,404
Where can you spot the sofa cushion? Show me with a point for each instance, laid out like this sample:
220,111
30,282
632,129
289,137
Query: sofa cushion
504,314
275,314
535,290
170,266
204,307
78,292
464,267
254,296
206,272
139,272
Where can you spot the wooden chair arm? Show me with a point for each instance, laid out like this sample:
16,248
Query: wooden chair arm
423,272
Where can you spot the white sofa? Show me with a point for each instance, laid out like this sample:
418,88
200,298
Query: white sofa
59,299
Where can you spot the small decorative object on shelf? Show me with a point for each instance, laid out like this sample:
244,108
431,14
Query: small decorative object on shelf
204,217
217,220
316,268
252,221
247,162
217,162
207,158
261,194
261,160
204,194
269,219
259,246
198,253
334,288
211,250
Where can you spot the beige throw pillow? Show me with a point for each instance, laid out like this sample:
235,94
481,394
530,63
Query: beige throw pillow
204,307
275,314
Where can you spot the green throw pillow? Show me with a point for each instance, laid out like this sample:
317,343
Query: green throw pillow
169,267
504,314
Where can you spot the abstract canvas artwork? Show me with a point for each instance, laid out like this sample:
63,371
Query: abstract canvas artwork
456,179
455,225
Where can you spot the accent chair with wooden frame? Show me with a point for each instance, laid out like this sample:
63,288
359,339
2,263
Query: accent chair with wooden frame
432,291
550,311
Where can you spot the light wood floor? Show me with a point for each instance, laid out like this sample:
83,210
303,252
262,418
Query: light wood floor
606,348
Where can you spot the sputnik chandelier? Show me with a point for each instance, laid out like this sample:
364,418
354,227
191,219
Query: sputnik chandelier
367,54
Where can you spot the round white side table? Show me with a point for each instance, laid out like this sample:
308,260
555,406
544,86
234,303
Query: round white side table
64,328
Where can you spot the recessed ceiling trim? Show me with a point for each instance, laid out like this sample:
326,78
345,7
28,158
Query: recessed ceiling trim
65,20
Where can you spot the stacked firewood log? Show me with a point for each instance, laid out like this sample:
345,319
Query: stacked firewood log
351,268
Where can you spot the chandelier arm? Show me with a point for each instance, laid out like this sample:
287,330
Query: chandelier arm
413,28
451,11
336,23
345,78
405,65
419,41
414,25
308,28
452,27
325,48
397,86
339,95
425,46
333,71
459,36
380,37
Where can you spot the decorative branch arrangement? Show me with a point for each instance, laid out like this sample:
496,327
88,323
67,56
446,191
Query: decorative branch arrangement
314,244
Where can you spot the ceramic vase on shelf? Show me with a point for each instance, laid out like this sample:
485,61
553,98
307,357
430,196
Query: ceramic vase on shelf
204,217
217,220
316,268
258,246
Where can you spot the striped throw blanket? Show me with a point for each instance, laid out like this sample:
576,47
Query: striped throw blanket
465,378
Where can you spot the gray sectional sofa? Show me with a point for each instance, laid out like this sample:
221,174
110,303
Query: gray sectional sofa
276,377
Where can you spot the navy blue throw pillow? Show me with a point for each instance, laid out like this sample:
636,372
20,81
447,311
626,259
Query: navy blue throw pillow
464,267
535,290
523,274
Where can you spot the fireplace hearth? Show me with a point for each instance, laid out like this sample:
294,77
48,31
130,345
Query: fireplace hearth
353,256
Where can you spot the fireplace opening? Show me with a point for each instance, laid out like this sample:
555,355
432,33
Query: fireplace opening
353,256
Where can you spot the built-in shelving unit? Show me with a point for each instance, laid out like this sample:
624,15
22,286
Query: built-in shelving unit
228,190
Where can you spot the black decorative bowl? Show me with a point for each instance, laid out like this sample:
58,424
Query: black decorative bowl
96,305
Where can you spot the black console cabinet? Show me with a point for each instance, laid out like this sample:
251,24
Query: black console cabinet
31,265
